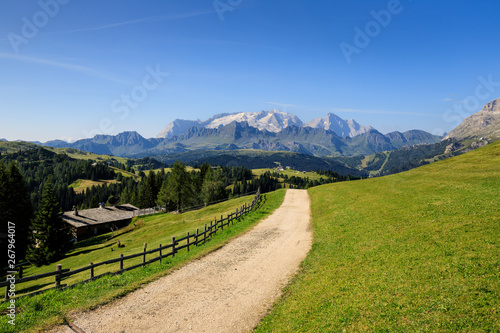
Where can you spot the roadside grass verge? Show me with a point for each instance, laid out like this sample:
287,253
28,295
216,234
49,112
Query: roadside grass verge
412,252
53,307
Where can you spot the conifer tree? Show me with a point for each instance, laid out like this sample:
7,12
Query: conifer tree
214,187
51,235
177,191
149,191
19,209
3,217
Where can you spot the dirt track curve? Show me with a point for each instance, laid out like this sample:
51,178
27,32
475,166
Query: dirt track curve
229,290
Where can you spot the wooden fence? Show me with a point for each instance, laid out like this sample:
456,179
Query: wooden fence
176,245
164,209
149,211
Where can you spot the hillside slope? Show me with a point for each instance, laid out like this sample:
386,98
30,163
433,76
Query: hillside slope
415,251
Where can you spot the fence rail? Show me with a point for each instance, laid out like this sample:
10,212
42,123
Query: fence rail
176,245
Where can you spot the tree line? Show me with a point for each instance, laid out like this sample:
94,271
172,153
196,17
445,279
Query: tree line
39,236
34,190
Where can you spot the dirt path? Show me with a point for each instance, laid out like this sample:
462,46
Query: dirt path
229,290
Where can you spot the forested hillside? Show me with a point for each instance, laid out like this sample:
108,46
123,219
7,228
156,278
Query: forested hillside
39,165
203,184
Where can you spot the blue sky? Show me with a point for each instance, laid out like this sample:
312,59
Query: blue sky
72,69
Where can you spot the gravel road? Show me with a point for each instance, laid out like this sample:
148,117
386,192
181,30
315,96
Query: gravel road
229,290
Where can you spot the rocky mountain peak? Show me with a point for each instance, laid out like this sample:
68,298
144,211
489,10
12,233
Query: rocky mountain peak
485,123
493,106
272,121
340,126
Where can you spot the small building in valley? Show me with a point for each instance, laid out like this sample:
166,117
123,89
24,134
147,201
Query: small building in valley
96,221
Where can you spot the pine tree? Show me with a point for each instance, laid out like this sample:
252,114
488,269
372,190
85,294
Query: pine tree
4,181
51,235
19,210
214,187
178,189
149,191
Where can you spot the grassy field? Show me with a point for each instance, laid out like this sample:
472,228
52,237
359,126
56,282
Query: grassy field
49,308
289,172
8,147
81,185
188,169
83,155
412,252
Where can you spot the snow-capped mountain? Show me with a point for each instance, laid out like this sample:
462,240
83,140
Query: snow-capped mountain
341,127
272,121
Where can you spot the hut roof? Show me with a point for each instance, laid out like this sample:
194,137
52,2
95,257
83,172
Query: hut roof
93,216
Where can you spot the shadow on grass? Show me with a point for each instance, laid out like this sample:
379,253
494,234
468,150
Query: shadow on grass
91,241
31,289
87,251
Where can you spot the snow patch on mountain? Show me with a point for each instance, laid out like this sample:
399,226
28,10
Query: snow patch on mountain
340,126
272,121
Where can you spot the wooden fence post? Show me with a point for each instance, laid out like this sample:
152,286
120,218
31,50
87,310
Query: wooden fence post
121,262
221,223
160,252
196,237
144,255
187,241
58,277
205,234
173,247
91,271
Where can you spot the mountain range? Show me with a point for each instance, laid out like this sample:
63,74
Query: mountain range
271,121
275,136
240,135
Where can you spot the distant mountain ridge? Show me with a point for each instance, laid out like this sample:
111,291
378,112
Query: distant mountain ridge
272,121
240,135
341,127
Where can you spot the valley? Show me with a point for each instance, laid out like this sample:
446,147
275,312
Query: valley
426,203
250,166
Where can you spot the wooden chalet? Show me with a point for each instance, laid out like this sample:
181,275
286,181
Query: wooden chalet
96,221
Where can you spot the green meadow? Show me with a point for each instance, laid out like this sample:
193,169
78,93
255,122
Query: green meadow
290,173
34,313
417,251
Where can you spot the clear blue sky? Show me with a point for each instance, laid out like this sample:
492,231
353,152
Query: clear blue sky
70,69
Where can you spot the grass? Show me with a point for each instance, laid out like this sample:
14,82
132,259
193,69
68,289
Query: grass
52,307
412,252
8,147
81,185
83,155
188,169
289,172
